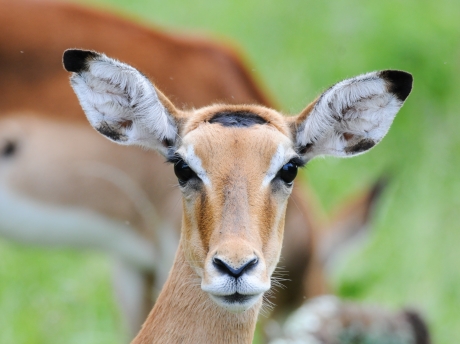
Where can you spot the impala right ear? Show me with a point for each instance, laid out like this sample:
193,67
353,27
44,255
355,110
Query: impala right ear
120,102
352,116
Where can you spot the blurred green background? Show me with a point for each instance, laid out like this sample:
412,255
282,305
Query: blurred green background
297,49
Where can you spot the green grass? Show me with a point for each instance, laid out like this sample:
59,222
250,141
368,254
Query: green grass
54,296
298,48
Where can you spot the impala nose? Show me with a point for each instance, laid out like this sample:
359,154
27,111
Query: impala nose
226,268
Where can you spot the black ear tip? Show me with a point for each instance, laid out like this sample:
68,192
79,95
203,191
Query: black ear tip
74,60
400,83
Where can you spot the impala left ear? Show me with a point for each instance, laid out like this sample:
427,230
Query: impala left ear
120,102
353,115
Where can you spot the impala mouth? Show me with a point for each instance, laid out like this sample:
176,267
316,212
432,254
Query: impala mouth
236,302
235,291
237,298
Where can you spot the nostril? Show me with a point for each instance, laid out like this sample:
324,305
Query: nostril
225,268
219,264
252,263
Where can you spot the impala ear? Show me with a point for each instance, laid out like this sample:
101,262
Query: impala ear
352,116
120,102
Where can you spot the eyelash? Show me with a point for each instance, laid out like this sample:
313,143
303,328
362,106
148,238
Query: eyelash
184,173
288,172
182,170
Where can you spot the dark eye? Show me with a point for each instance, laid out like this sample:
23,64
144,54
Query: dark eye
183,172
288,172
9,149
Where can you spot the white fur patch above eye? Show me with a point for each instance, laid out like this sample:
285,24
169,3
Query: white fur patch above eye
195,164
275,164
281,157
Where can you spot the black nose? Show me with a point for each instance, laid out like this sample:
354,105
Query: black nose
225,268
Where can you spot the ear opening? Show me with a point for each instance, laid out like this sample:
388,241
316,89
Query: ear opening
120,102
352,116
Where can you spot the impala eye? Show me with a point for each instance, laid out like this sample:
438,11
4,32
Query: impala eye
288,172
9,149
183,172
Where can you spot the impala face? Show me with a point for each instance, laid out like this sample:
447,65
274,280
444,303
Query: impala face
234,203
235,164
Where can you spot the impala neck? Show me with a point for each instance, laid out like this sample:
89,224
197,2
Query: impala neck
184,313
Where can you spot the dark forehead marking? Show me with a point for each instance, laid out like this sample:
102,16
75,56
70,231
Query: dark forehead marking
237,119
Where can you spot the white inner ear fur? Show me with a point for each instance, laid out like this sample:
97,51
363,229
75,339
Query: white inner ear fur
122,104
349,118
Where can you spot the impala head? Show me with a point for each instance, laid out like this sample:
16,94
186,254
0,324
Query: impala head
235,164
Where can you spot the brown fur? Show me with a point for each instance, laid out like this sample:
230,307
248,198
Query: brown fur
229,215
35,33
233,217
185,314
36,99
38,109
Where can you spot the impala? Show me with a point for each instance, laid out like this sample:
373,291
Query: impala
235,165
61,184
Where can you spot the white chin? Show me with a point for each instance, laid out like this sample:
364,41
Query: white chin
236,303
